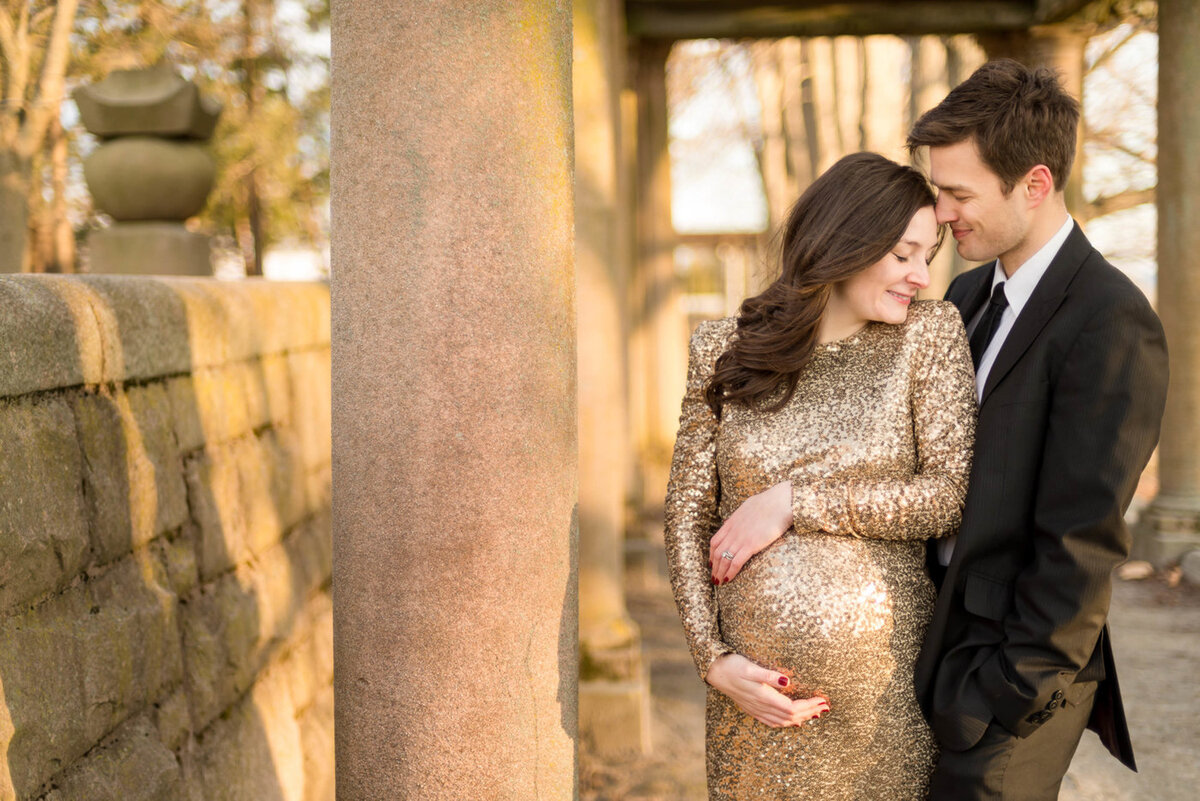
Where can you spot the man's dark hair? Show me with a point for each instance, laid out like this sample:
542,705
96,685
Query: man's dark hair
1017,116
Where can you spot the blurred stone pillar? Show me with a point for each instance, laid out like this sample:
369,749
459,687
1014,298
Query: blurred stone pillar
455,440
614,691
660,326
1061,48
1171,525
151,171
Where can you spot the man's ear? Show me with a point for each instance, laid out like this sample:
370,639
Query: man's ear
1038,184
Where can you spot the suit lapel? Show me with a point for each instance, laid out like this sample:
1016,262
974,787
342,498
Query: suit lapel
977,286
1047,296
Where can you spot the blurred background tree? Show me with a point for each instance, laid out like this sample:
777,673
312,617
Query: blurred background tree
266,61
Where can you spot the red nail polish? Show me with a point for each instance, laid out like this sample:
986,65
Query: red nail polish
715,582
783,681
710,564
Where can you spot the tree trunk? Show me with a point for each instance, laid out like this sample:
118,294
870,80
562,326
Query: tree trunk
15,177
62,259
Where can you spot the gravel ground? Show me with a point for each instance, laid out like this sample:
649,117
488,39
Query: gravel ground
1156,637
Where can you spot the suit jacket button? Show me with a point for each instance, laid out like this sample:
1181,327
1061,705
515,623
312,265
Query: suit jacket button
1052,705
1058,695
1033,718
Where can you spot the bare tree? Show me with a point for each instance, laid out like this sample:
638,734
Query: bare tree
34,41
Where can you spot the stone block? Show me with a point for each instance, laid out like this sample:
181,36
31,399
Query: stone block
290,490
614,716
43,520
132,467
257,465
1191,566
214,496
319,489
310,553
185,414
67,331
141,246
254,393
316,741
173,720
221,403
254,751
308,661
75,667
222,636
244,495
130,765
144,324
272,372
311,404
178,556
226,319
49,337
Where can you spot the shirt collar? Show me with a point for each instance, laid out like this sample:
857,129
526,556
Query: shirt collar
1019,288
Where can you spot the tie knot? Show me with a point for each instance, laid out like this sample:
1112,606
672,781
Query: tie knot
998,298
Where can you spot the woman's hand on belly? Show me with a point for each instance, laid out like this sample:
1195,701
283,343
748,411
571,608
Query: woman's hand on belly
758,522
754,689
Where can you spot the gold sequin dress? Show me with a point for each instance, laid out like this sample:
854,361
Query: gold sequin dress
877,443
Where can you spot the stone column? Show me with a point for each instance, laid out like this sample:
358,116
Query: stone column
660,329
1060,47
614,692
1171,526
454,458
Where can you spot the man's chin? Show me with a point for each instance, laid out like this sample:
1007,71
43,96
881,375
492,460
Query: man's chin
970,254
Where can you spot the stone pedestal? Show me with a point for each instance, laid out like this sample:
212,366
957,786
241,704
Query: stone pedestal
149,248
1171,525
151,172
454,373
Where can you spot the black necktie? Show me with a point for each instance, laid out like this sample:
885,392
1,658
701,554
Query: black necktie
988,323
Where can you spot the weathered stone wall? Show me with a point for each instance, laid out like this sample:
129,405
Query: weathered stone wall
165,608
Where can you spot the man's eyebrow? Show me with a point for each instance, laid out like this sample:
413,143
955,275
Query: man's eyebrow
951,187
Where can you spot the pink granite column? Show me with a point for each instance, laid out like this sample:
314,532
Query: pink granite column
454,458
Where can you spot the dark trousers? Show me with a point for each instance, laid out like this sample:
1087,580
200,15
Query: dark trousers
1003,767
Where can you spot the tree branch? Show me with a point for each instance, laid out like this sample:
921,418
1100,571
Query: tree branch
1108,139
48,100
1112,50
1119,202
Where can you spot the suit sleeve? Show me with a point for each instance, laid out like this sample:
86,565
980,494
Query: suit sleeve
693,495
1105,410
927,503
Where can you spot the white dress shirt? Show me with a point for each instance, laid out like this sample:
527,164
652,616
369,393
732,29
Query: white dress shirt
1017,290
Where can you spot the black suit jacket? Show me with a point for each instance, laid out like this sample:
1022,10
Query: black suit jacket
1068,418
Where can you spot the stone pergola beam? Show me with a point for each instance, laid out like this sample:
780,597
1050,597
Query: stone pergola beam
680,19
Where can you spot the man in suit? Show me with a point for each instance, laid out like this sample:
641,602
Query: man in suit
1071,376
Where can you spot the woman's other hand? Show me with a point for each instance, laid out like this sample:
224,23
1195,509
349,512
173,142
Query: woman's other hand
755,690
758,522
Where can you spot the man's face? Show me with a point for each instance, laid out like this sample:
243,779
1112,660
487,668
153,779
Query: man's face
985,222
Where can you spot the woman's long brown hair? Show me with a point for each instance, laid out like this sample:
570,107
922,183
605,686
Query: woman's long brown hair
847,220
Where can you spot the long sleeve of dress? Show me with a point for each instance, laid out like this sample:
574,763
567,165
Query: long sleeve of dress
927,503
693,494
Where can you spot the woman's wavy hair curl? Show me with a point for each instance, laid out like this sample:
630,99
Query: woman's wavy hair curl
847,220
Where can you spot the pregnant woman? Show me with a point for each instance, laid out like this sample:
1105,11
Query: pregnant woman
841,412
